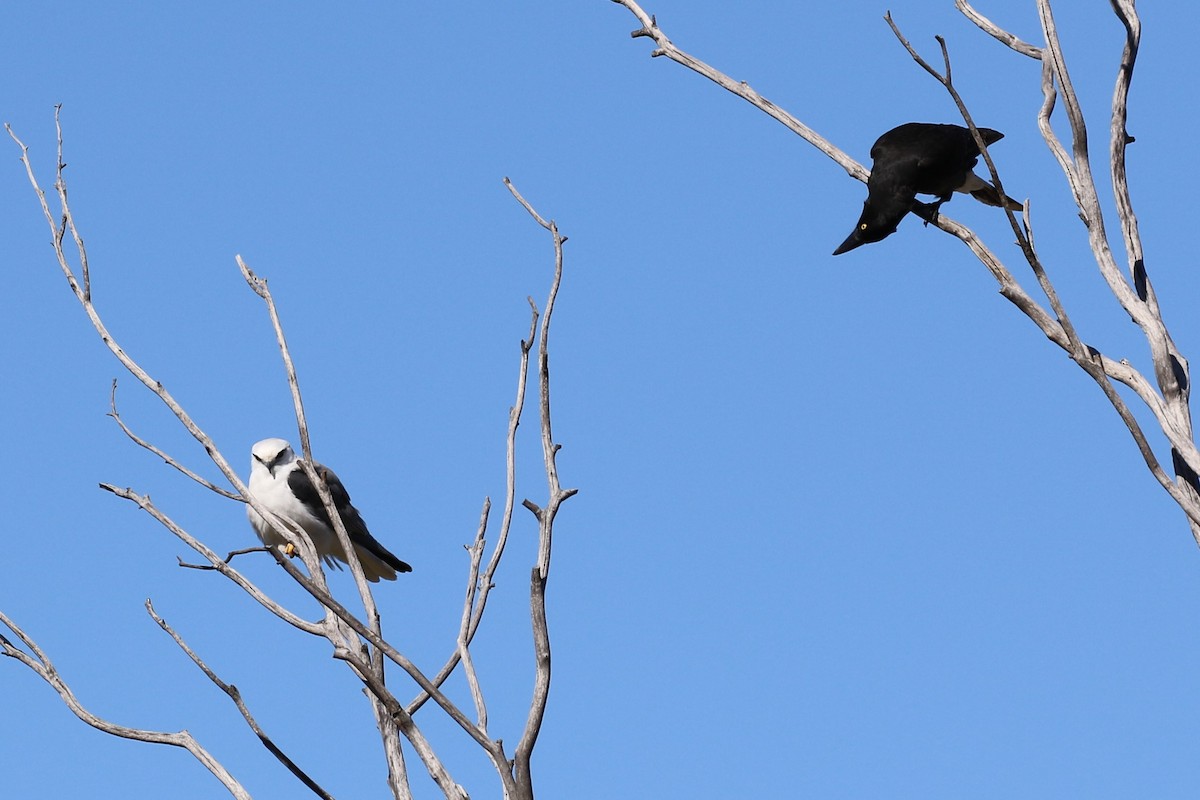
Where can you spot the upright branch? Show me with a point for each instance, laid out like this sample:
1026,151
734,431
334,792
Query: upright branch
68,221
397,774
462,651
545,517
480,584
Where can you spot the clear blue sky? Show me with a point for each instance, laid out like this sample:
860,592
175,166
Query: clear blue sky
846,527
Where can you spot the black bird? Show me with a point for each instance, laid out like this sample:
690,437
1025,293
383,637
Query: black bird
921,158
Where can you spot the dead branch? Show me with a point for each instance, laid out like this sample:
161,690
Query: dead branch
477,598
1001,35
217,563
37,661
171,462
334,627
545,517
397,778
664,47
82,293
1082,354
236,697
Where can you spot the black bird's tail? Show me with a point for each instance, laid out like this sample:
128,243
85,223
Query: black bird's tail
987,194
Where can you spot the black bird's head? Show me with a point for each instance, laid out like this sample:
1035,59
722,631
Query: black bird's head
877,222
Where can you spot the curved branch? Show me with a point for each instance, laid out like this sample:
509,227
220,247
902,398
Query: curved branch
219,564
40,664
996,32
83,295
1170,367
171,462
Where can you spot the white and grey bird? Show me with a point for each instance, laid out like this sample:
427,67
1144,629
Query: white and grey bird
279,483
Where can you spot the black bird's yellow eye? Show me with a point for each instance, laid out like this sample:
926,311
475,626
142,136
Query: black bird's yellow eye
862,227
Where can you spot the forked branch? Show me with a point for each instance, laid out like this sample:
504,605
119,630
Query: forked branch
36,660
545,517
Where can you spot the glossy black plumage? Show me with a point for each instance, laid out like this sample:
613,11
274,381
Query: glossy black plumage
920,158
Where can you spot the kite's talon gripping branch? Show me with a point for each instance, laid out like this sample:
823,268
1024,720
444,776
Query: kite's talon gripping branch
282,483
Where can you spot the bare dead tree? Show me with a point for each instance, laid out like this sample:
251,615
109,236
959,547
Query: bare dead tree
1165,397
357,641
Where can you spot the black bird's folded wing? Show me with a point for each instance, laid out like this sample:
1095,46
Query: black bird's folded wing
920,158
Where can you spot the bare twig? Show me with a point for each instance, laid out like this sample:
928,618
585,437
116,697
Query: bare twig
404,721
1074,346
1119,135
228,557
464,630
218,564
374,683
322,596
140,442
37,660
68,221
396,776
393,753
742,89
260,287
83,295
477,599
518,783
236,697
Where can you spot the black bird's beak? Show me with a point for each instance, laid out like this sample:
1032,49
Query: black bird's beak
852,241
